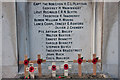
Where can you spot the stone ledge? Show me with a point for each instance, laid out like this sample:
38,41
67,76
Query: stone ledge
9,71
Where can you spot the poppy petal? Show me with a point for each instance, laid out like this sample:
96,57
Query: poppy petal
79,60
31,69
39,61
26,62
66,66
53,67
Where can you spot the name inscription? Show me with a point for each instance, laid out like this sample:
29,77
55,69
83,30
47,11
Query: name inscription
60,30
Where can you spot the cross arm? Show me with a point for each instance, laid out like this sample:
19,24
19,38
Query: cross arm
57,67
89,61
99,61
74,61
70,66
49,67
84,60
35,68
43,61
62,66
34,61
27,69
21,62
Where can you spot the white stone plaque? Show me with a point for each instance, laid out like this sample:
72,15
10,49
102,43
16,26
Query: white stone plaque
59,30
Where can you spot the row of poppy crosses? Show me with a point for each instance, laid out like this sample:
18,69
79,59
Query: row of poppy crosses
54,67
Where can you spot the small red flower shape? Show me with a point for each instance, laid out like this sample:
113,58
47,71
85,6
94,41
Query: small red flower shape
26,77
53,67
59,77
31,69
39,61
94,61
66,66
80,60
26,62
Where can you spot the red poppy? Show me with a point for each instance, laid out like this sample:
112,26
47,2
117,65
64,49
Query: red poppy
39,61
26,77
59,77
31,69
94,61
66,66
53,67
80,60
26,62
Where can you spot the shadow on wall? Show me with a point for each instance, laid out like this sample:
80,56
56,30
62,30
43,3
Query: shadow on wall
110,39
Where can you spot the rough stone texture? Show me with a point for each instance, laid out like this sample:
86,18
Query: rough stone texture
9,48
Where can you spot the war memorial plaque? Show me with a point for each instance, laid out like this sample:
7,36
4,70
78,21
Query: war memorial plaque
59,30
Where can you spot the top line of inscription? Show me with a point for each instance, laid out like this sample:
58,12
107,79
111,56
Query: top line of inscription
59,3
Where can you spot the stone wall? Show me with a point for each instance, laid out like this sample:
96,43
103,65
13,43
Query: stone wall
110,39
109,47
9,40
0,40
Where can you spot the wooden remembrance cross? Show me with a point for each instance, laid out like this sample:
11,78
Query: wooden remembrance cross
39,61
94,61
65,66
31,69
79,61
25,62
53,68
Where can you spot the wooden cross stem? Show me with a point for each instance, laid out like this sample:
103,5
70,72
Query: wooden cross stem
39,68
94,64
31,69
79,65
65,66
25,66
39,65
53,68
